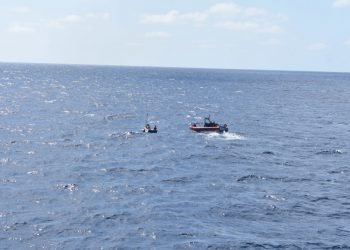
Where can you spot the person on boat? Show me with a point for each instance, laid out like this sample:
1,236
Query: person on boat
148,126
155,128
207,122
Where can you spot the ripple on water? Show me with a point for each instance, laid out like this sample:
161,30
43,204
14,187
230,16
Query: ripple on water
181,180
330,152
119,116
253,178
68,187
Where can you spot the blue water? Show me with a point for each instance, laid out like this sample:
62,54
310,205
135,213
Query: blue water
77,173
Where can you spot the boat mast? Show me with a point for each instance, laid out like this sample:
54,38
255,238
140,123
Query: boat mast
146,122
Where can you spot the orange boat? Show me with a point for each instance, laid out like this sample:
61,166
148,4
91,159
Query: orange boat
209,126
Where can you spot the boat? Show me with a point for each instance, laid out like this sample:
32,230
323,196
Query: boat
209,126
148,129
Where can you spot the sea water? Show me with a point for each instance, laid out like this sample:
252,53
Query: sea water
76,172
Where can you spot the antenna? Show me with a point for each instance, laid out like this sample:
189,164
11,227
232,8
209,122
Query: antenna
146,119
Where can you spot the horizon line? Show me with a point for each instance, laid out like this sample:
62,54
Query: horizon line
173,67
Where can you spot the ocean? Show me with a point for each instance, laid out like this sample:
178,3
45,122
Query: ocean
76,171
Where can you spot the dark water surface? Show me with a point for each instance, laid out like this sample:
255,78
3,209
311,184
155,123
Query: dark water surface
77,173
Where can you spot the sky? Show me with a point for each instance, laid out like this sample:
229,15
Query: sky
306,35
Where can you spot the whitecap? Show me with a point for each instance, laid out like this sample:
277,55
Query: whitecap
227,136
50,101
70,187
49,143
4,161
275,197
330,152
34,172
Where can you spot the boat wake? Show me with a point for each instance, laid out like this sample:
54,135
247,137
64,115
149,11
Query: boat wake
125,135
228,136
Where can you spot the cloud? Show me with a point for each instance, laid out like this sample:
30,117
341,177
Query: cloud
19,28
98,16
239,26
341,3
318,46
75,19
347,42
250,26
254,12
72,19
194,17
20,9
157,34
174,16
205,44
62,22
225,8
227,15
169,17
270,41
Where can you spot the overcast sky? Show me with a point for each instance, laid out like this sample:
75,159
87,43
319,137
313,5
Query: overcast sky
240,34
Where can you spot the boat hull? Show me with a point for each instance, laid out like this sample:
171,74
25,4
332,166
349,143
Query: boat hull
218,129
149,130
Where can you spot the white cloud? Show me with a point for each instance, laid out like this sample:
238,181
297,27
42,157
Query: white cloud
225,8
239,26
62,22
224,15
71,19
170,17
194,17
318,46
20,9
19,28
255,12
75,19
100,16
347,42
205,44
270,41
157,34
250,26
341,3
174,16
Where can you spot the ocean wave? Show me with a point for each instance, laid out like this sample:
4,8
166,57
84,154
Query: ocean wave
184,179
119,116
330,152
4,161
250,177
275,197
125,135
68,187
253,177
339,171
227,136
126,170
12,180
322,198
252,245
268,153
